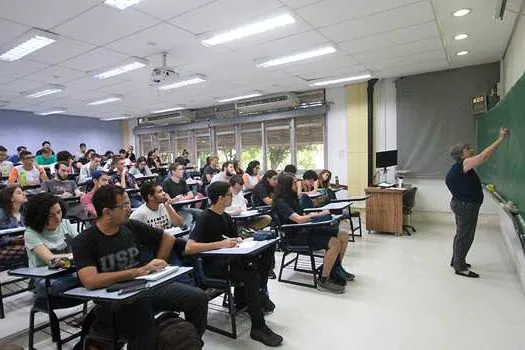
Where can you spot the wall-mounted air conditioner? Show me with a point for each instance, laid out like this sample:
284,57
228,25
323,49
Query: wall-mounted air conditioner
268,103
177,117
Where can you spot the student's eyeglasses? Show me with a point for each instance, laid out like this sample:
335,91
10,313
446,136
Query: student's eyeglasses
124,206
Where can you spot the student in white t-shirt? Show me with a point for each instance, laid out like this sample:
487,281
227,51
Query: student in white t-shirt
156,210
5,165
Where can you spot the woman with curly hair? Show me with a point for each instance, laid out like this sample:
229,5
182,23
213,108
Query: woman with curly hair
12,198
46,239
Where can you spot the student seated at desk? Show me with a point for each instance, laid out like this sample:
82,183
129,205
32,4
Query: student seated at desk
99,179
324,178
5,165
332,239
45,145
309,185
251,177
46,158
15,158
239,205
109,252
60,185
290,169
225,174
89,168
72,167
208,235
12,198
156,210
140,168
46,239
27,174
264,192
178,190
210,170
124,179
87,156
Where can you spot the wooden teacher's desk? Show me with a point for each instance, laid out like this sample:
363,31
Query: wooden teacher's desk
384,209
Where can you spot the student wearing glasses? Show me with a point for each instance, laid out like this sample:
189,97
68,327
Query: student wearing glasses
28,173
110,252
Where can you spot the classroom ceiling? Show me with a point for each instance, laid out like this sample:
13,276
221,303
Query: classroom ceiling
386,38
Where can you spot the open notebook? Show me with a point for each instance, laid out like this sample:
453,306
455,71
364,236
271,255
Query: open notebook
158,275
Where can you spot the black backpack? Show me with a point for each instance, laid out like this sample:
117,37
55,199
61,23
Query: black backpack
174,333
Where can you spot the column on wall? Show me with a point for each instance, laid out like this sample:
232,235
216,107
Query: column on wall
357,138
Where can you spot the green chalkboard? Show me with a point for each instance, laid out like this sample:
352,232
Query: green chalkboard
506,167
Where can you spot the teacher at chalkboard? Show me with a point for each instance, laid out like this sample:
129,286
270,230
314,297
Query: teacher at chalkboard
467,196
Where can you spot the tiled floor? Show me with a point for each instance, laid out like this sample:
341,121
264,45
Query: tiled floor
405,297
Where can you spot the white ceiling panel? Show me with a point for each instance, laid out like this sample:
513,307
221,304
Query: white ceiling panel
22,85
225,14
164,10
152,40
295,4
78,88
406,61
332,72
390,38
104,24
9,31
43,14
94,60
20,68
61,51
284,46
329,12
406,16
432,44
56,75
333,61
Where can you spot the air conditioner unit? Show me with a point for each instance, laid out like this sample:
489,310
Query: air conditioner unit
178,117
268,103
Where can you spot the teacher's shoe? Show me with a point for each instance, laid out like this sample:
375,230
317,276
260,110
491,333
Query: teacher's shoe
467,273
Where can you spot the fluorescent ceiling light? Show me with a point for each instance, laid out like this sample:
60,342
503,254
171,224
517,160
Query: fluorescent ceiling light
182,83
237,98
121,4
461,13
461,36
168,110
249,30
106,100
298,57
340,80
136,64
49,90
28,43
55,111
462,53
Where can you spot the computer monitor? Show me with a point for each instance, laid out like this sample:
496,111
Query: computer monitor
386,159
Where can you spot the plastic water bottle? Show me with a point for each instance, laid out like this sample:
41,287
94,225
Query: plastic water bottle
337,181
23,178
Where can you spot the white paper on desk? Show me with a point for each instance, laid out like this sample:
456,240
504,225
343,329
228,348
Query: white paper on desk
397,188
157,275
248,213
247,244
173,230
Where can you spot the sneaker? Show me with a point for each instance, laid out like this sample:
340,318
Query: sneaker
340,281
342,273
266,336
328,285
467,273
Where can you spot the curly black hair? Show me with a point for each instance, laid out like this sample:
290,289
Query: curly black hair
37,210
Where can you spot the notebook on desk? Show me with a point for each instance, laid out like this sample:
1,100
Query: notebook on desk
158,275
385,185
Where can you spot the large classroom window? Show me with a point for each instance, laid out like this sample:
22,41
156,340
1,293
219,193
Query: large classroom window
309,136
251,143
225,136
279,152
274,143
203,146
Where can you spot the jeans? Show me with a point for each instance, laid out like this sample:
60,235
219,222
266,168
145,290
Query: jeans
466,214
136,323
58,286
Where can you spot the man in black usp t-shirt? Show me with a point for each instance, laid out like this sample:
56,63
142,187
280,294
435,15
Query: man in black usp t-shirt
110,252
208,234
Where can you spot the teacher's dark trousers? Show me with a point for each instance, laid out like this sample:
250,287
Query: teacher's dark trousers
466,214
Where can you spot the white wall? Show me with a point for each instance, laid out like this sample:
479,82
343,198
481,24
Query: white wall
337,134
514,60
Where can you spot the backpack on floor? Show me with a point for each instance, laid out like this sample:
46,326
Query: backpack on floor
174,333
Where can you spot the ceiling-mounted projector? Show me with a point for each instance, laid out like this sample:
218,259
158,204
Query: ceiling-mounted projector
163,74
